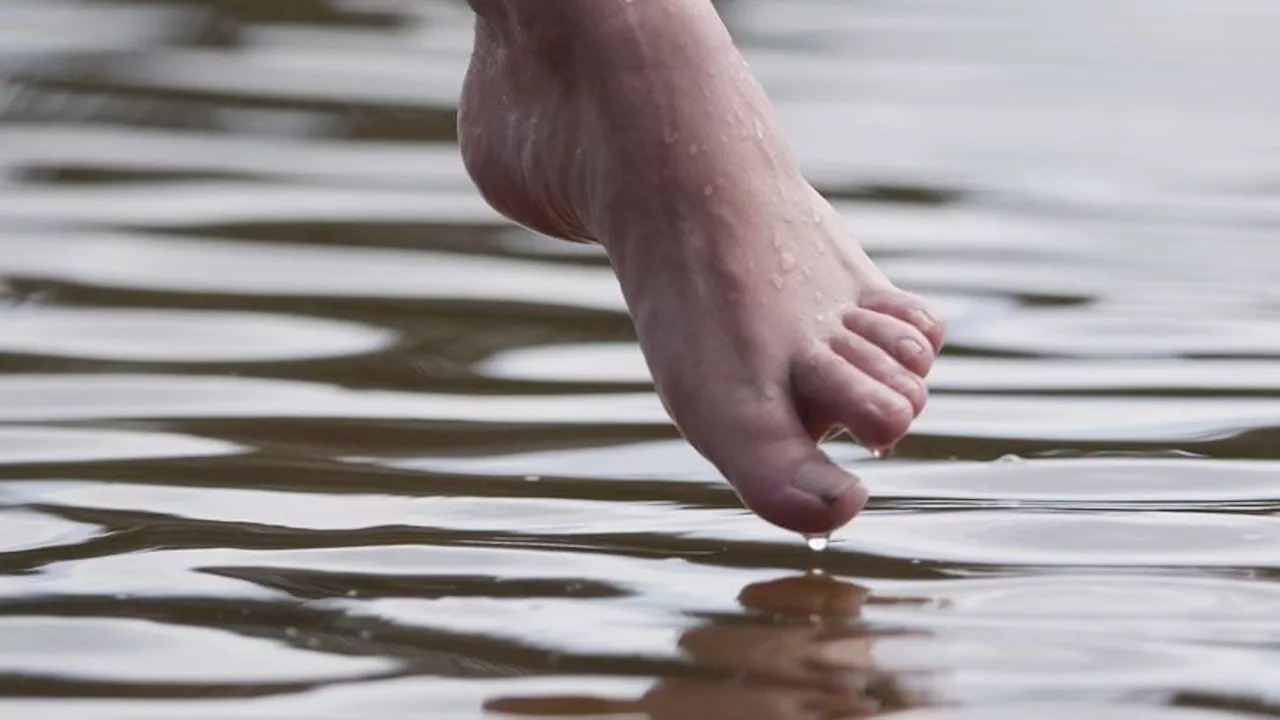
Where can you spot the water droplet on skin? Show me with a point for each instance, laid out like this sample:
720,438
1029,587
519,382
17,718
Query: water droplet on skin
881,453
817,543
709,190
1010,459
788,262
669,137
777,281
759,130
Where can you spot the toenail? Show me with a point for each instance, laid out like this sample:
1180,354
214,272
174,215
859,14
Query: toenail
922,319
823,482
890,406
920,383
911,347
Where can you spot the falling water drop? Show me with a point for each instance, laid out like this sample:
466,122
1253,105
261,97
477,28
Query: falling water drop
817,543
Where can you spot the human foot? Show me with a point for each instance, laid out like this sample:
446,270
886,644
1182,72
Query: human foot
764,324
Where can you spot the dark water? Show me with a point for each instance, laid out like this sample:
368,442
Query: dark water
294,427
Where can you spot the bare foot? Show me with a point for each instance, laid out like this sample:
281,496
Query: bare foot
636,124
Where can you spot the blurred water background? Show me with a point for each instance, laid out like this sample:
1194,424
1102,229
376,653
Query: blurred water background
293,426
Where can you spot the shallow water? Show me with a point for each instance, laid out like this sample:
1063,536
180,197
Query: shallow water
291,425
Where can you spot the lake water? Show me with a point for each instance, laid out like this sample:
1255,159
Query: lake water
293,426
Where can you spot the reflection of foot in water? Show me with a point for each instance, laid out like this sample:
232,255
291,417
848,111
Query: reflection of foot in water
638,125
809,661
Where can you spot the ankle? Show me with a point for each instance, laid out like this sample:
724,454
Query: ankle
554,31
629,99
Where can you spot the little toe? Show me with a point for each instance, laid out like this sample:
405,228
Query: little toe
830,387
911,309
875,362
902,341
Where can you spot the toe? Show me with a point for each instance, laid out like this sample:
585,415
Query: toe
784,477
829,387
902,341
878,364
911,309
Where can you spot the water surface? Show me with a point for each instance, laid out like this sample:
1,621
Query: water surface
292,425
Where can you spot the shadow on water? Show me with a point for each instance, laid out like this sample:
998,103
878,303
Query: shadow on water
291,424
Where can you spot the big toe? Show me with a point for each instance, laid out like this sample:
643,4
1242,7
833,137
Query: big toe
782,475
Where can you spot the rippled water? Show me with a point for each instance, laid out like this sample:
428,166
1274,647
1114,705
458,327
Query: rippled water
291,425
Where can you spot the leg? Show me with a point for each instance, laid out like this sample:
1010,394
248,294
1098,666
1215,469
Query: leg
636,124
